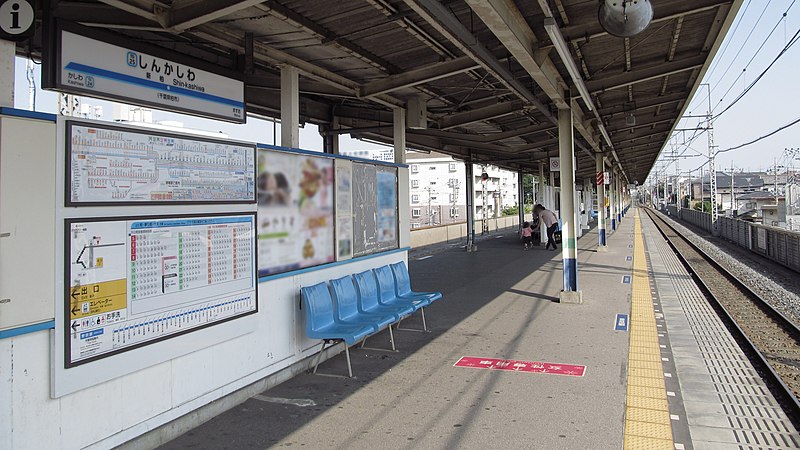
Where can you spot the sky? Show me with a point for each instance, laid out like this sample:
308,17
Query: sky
771,103
747,50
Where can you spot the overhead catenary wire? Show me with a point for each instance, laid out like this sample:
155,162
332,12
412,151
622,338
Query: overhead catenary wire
789,45
771,133
700,131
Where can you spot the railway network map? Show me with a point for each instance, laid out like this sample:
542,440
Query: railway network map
113,165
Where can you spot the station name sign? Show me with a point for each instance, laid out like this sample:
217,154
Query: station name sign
100,69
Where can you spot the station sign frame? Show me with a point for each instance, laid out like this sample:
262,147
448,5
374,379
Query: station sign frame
213,92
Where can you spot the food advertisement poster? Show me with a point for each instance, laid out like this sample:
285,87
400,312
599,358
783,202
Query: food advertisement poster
295,211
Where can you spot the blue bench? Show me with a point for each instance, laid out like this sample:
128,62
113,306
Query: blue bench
361,306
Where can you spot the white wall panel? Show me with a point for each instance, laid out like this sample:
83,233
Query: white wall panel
27,239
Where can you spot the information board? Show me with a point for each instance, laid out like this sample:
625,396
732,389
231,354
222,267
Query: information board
374,208
295,211
133,281
113,165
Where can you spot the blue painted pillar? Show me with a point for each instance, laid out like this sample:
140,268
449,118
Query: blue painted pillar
612,200
618,186
569,252
601,204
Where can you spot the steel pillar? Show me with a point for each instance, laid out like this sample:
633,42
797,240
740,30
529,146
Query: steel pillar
7,53
290,107
601,205
520,198
612,200
566,153
399,127
470,187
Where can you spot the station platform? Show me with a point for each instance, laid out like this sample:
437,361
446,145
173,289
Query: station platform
664,375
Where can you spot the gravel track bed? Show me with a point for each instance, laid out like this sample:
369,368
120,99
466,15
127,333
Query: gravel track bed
779,346
776,284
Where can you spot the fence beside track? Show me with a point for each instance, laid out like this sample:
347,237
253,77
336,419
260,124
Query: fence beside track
777,244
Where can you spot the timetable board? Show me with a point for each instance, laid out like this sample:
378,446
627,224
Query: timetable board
109,165
133,281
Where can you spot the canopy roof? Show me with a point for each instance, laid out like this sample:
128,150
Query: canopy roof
487,69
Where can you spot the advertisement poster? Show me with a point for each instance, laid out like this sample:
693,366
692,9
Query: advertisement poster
295,211
344,210
387,205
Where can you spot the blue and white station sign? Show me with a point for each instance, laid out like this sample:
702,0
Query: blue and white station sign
105,70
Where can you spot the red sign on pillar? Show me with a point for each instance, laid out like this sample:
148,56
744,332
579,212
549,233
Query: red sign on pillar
599,178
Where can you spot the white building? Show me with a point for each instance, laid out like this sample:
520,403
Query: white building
438,194
437,183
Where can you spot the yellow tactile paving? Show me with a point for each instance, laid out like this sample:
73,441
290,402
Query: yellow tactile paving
647,420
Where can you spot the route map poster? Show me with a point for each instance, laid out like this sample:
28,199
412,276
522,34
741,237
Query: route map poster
295,211
115,165
134,281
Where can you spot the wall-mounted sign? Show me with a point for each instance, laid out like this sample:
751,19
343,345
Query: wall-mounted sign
100,69
109,165
17,20
133,281
555,164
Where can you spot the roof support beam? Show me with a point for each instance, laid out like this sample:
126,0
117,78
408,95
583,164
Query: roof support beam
506,21
445,22
262,52
198,13
643,74
508,24
418,76
481,114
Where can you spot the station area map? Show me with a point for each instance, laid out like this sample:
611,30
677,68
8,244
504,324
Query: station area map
137,281
114,165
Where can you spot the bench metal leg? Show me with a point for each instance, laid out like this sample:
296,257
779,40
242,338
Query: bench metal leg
391,339
424,325
325,342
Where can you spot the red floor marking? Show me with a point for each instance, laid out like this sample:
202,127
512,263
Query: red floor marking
521,366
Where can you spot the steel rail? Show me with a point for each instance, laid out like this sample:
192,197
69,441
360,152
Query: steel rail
785,394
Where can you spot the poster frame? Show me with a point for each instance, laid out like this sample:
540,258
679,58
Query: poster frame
377,248
66,276
297,152
68,202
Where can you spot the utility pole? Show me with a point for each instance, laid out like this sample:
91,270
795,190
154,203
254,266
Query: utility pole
776,183
734,209
712,178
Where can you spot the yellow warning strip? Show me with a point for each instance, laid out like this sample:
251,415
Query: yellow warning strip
647,421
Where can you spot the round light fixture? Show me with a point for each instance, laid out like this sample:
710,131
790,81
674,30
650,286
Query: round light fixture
625,18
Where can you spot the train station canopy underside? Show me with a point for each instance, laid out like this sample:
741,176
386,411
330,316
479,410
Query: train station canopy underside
491,73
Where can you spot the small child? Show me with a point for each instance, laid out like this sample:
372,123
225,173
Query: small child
527,233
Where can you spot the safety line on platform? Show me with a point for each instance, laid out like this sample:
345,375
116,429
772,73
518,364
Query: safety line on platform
647,419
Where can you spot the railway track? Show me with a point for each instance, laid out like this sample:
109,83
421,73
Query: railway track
770,340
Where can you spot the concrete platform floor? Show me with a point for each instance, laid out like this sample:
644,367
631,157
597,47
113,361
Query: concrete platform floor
500,302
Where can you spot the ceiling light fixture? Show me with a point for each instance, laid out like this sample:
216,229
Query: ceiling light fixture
625,18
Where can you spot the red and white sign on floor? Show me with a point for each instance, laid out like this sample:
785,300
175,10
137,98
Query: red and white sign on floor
521,366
